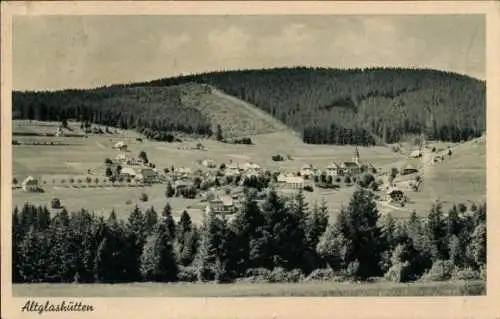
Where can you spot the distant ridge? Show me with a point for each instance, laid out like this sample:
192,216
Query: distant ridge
325,106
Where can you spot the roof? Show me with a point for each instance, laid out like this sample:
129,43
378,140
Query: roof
416,153
351,165
225,200
293,180
307,166
148,172
333,165
128,170
233,166
30,180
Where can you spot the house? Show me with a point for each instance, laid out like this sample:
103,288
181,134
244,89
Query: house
416,154
120,146
221,205
306,171
250,166
128,172
409,169
333,169
232,169
351,168
149,176
122,158
369,168
290,181
181,185
210,163
30,184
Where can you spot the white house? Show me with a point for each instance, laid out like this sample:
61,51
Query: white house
221,205
250,166
210,163
120,146
416,154
307,171
30,184
128,172
333,169
290,181
232,169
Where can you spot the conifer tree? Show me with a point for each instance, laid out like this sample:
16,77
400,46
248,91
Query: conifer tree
435,232
358,224
168,219
158,261
151,219
248,226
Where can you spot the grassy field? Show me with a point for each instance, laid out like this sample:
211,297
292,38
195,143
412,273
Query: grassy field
459,179
305,289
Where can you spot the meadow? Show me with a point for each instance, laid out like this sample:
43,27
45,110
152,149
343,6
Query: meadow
460,178
309,289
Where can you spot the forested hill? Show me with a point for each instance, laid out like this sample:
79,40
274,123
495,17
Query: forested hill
355,106
351,106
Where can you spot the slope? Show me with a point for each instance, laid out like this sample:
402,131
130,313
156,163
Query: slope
236,118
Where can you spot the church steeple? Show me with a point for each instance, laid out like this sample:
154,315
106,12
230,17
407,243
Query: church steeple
356,155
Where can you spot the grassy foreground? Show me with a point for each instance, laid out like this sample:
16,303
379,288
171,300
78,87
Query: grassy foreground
304,289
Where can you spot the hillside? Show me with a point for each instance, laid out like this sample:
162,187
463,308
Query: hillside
325,106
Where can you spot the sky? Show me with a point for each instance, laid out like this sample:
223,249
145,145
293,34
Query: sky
58,52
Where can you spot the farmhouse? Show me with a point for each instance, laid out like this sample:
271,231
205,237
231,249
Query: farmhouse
351,168
306,171
369,168
179,186
30,184
250,166
290,181
333,169
128,172
416,153
221,205
149,176
120,146
210,163
232,169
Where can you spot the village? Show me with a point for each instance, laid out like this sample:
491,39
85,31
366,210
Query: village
219,186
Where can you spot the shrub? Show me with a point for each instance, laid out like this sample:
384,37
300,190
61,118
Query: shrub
89,180
347,180
63,181
128,202
322,274
144,197
55,203
108,161
97,180
308,188
80,181
441,270
71,180
466,274
399,272
257,275
187,274
14,181
281,275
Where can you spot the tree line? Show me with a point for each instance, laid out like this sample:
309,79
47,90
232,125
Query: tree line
279,239
156,112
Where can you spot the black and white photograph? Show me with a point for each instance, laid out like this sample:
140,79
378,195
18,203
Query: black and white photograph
250,155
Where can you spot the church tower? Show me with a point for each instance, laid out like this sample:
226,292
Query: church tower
356,156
